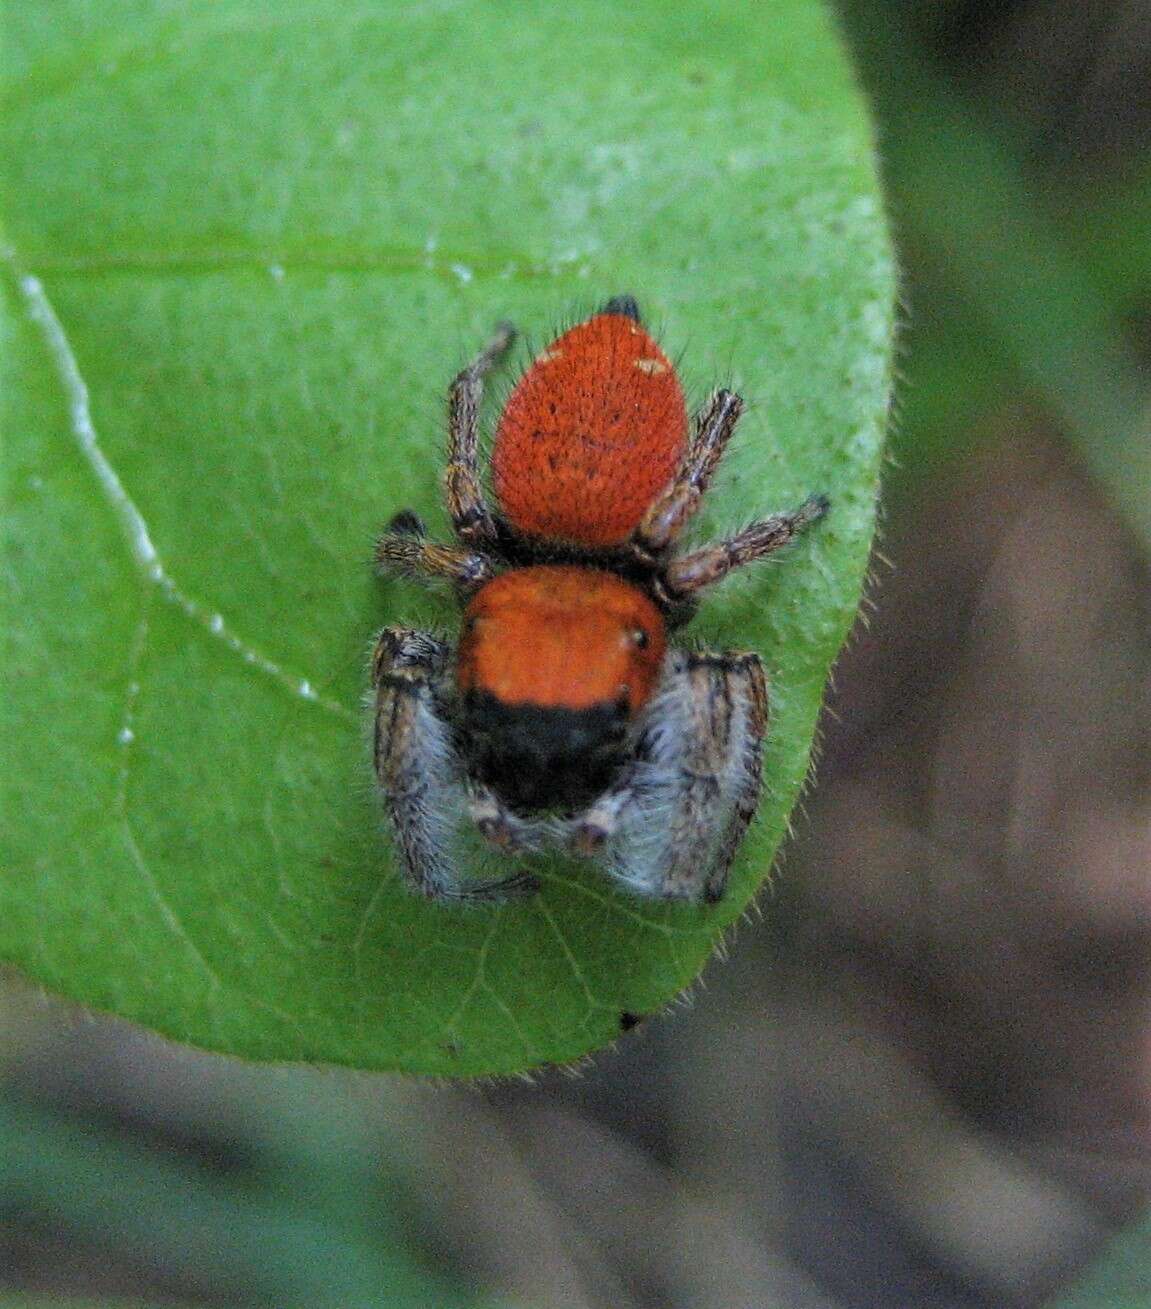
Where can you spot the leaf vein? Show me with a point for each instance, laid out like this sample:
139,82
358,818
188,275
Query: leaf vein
171,918
460,269
132,523
573,962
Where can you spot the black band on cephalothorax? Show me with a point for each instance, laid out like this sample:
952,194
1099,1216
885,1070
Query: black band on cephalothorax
542,756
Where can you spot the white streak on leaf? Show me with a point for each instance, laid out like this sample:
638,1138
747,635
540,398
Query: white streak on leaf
132,523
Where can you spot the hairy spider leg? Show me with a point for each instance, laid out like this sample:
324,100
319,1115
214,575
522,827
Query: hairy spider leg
419,772
671,511
690,573
671,824
472,521
404,551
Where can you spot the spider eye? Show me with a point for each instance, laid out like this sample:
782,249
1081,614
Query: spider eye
639,638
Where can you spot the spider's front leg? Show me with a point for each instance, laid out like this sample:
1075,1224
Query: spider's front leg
671,825
419,771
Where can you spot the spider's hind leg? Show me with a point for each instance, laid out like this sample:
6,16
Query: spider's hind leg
671,825
472,520
419,772
671,511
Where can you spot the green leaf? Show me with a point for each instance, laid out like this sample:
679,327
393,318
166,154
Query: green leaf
247,248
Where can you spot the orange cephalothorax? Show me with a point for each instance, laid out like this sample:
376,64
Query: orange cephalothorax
561,637
592,433
554,662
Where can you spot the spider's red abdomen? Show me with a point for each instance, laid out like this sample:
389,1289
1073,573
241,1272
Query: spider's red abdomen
591,434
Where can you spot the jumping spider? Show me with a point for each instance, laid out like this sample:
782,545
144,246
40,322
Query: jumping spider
564,718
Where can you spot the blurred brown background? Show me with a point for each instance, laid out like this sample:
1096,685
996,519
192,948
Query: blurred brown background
925,1078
